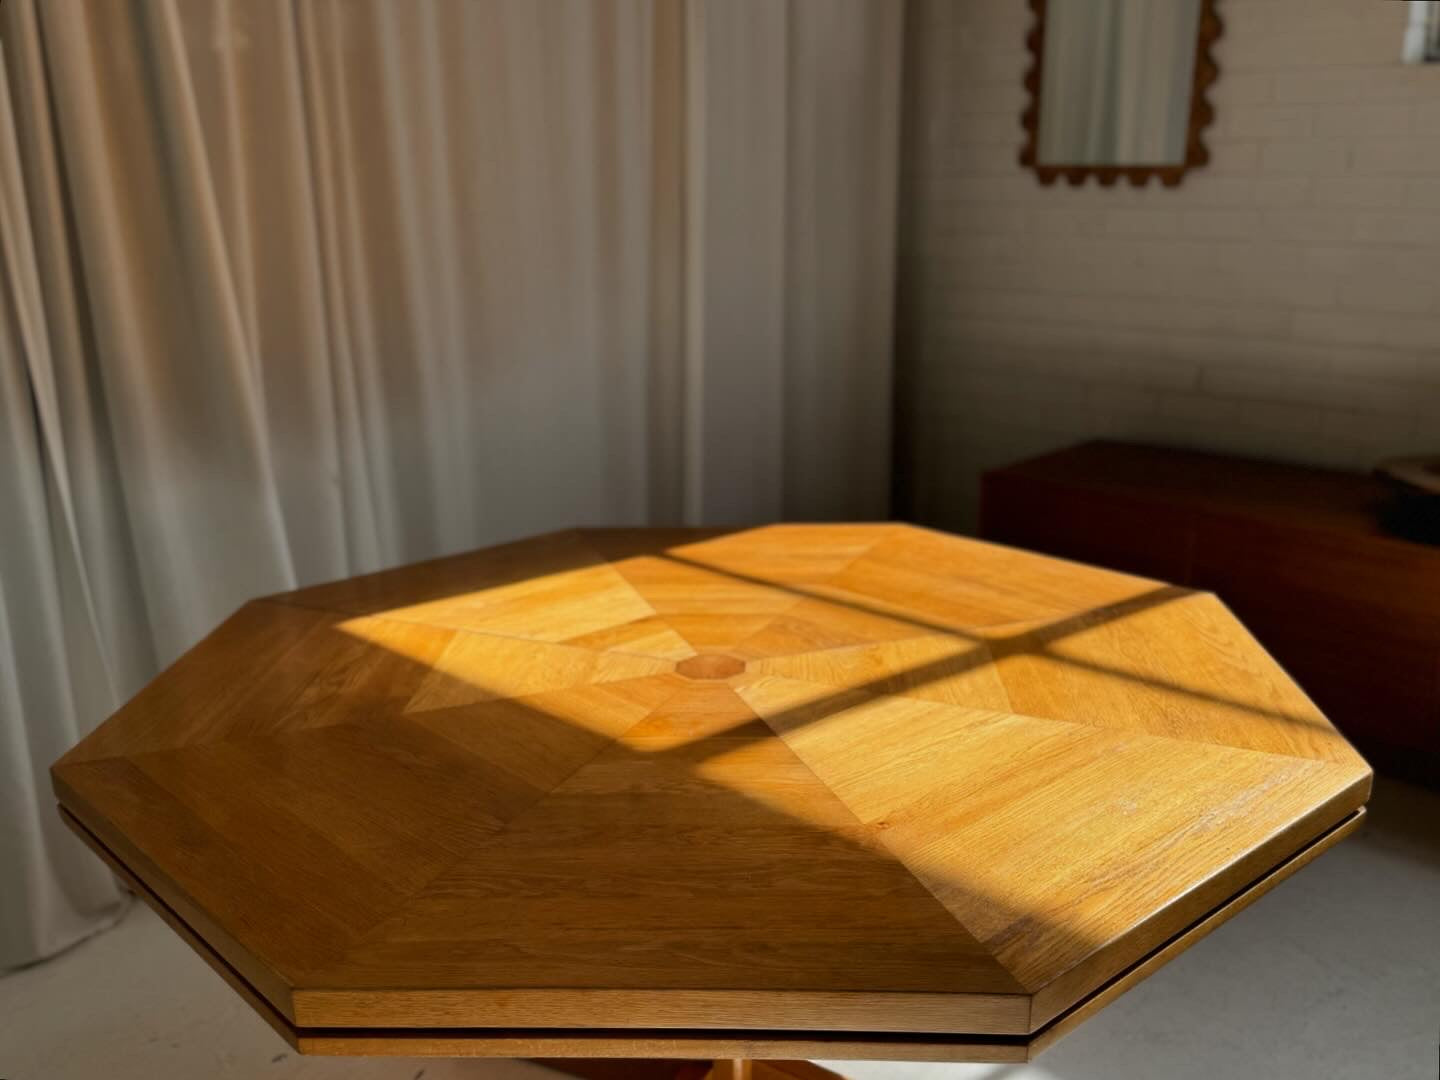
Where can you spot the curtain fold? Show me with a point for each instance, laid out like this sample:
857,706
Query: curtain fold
55,681
296,290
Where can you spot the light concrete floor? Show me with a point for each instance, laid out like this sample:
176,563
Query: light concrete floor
1335,974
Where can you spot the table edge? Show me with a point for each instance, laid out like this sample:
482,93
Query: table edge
708,1043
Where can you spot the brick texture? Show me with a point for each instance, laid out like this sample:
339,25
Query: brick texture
1284,302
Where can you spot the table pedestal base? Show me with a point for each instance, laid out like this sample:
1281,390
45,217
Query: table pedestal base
724,1069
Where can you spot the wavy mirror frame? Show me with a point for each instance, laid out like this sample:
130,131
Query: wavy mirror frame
1201,112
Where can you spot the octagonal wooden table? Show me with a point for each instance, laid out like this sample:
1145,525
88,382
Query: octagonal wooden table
849,791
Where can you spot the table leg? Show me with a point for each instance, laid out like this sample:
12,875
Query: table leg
627,1068
724,1069
790,1070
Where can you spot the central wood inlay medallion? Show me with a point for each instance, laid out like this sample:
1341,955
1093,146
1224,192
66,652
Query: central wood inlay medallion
710,666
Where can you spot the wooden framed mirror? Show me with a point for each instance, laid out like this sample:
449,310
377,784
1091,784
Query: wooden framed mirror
1118,88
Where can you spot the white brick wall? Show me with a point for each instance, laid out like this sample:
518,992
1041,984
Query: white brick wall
1284,302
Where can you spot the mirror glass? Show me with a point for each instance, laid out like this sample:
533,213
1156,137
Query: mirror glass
1116,81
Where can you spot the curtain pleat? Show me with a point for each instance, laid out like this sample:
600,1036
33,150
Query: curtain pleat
843,100
54,678
295,290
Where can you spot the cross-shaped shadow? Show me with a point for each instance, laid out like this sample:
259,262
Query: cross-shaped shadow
511,858
1035,638
514,840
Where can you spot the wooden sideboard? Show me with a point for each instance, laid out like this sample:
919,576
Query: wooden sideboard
1299,554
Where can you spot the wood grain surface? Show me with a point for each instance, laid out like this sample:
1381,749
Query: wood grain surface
1325,567
837,787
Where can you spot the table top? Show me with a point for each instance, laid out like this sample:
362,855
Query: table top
893,791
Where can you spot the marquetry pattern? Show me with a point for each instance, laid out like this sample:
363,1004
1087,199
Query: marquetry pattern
848,777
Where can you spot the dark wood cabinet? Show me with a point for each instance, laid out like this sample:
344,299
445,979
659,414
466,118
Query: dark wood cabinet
1299,554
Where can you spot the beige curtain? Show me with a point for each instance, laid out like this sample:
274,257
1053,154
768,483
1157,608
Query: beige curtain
293,290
